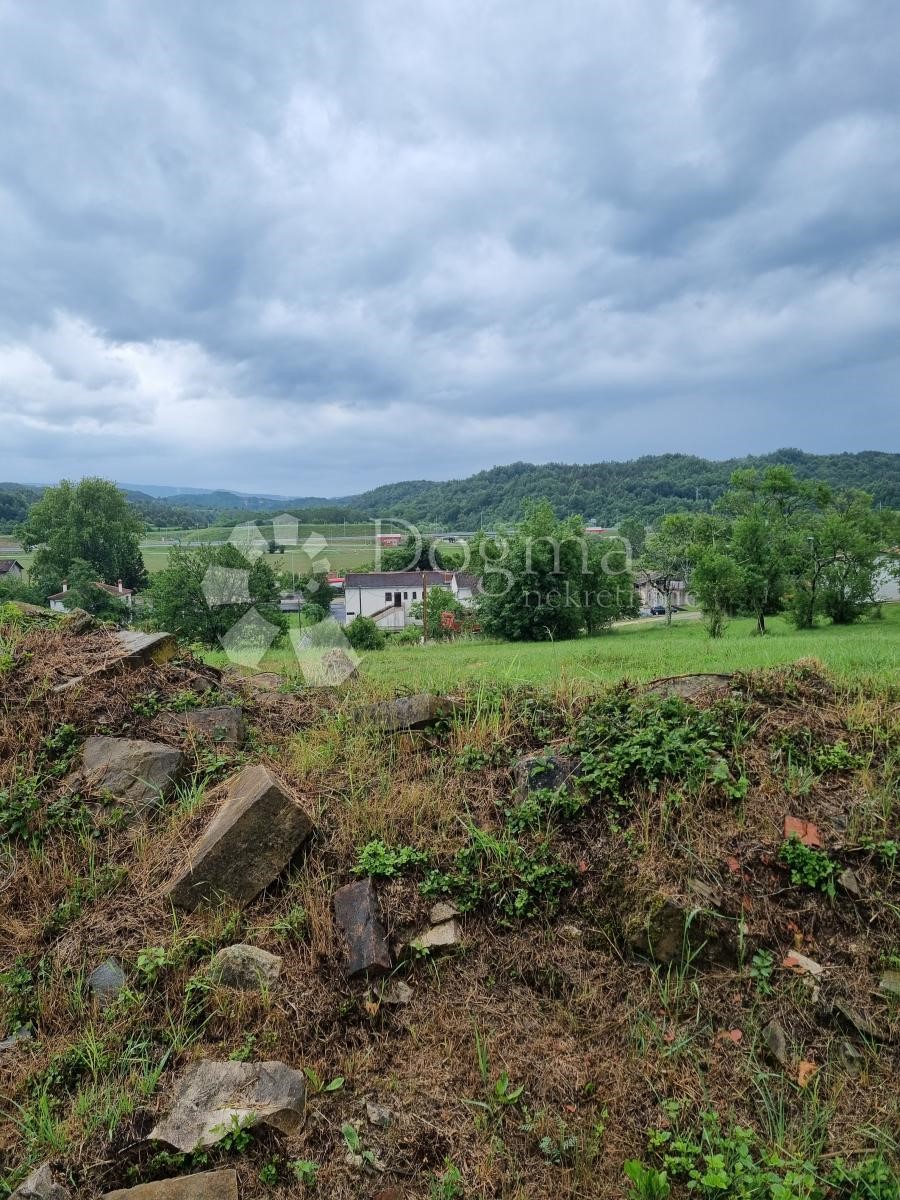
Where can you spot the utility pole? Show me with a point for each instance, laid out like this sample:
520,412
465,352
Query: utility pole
424,606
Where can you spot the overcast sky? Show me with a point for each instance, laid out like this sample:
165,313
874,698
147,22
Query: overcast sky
311,247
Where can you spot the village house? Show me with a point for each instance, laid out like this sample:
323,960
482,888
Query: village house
11,569
61,601
652,596
387,596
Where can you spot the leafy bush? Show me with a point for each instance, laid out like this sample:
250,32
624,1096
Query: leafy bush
809,868
363,634
623,740
543,805
386,862
500,875
713,1161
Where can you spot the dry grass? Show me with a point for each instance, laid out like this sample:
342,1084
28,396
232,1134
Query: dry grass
596,1036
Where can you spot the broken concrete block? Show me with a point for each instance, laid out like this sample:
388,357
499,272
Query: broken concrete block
407,712
849,883
688,687
22,1034
135,773
251,839
378,1114
221,726
211,1098
246,967
847,1015
106,981
438,937
40,1186
140,647
443,911
210,1185
359,919
397,994
776,1043
852,1060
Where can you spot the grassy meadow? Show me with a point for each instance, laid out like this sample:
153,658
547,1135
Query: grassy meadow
639,650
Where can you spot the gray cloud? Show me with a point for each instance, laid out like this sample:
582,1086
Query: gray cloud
311,248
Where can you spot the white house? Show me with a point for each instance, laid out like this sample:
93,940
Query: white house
387,596
60,602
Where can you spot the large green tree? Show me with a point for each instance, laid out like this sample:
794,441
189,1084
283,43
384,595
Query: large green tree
90,521
202,593
548,580
420,554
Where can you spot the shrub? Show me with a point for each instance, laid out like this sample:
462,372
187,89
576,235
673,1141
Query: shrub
364,634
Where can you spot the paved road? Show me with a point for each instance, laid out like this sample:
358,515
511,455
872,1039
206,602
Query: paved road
679,616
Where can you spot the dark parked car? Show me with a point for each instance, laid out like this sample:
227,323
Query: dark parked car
659,610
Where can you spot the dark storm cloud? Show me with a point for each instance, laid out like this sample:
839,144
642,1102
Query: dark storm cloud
315,247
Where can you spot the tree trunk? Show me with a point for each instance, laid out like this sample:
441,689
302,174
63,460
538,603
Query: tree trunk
760,622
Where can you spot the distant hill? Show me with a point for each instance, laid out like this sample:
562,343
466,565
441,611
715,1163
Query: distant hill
229,500
605,493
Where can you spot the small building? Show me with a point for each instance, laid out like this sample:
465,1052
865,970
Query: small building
61,601
11,569
652,596
387,596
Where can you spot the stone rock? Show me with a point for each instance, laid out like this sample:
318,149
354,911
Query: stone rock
223,725
545,769
571,933
776,1043
889,984
23,1034
687,686
210,1185
378,1114
249,842
211,1097
709,895
265,681
845,1014
135,773
40,1186
443,911
359,919
106,981
397,994
662,935
849,883
438,937
852,1060
246,967
407,712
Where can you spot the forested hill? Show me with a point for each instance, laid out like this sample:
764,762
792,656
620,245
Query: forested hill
604,493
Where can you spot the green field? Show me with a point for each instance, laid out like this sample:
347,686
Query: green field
640,650
341,556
